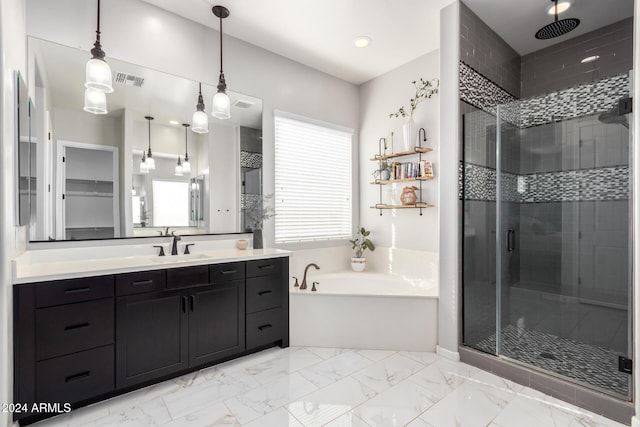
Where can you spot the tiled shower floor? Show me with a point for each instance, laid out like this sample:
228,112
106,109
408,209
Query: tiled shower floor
306,386
587,363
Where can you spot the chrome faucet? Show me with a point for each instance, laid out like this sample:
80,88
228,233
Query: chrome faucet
304,278
174,247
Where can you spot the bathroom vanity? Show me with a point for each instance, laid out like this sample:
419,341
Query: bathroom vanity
85,338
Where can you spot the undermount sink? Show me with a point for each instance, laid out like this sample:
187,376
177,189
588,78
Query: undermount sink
178,258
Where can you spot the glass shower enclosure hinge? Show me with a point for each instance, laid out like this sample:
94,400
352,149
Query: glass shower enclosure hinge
625,365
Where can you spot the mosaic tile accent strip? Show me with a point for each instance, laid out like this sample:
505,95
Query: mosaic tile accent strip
251,160
610,183
578,101
480,184
574,102
481,92
587,363
460,180
249,200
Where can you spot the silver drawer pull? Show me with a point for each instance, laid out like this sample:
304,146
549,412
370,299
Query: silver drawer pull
267,326
142,282
77,290
78,326
264,293
77,376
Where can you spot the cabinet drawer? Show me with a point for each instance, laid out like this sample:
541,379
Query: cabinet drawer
263,293
75,377
264,267
226,272
264,327
144,281
73,290
73,327
187,276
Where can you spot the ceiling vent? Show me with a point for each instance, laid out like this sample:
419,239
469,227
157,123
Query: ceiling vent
128,79
240,103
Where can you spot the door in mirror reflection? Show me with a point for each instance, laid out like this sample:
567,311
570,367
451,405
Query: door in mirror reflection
88,189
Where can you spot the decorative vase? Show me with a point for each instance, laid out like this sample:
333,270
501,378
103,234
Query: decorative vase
257,239
409,135
408,196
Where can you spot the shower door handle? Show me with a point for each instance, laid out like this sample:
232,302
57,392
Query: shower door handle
511,240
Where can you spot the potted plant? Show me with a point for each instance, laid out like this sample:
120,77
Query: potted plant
425,89
360,244
256,211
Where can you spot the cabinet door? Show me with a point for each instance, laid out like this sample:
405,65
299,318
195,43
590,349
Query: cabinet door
216,322
151,336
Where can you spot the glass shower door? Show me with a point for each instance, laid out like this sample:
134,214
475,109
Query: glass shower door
563,245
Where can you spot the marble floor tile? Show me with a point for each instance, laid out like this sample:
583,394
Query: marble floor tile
325,405
396,406
260,401
313,387
350,419
335,368
388,372
278,418
216,415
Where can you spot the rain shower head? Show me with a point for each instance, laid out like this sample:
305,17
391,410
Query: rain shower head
612,117
558,27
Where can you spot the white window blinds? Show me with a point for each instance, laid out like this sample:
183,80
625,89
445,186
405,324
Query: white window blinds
313,198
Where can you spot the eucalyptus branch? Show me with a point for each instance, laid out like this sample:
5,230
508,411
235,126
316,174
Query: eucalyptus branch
425,89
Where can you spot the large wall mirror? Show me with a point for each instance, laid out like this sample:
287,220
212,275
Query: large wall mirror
89,165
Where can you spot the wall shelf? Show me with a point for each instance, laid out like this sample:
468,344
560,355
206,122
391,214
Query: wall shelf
416,206
393,181
416,150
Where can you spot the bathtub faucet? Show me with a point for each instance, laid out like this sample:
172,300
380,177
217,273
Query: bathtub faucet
304,278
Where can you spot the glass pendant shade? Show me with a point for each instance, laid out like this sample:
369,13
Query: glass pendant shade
143,165
151,164
95,102
200,122
186,166
98,76
179,170
221,106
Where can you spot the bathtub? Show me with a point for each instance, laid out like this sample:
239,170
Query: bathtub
369,310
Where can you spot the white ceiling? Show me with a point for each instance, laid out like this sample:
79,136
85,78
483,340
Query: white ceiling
320,34
516,21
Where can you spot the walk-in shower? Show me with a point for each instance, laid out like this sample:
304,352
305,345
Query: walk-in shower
546,195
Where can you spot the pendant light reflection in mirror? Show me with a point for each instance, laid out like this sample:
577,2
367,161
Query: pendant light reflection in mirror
200,121
221,108
186,165
149,162
98,79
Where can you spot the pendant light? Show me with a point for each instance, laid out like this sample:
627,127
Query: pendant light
186,165
98,72
200,121
221,108
95,102
144,168
179,171
151,164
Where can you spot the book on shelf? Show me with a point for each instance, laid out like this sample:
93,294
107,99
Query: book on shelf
411,170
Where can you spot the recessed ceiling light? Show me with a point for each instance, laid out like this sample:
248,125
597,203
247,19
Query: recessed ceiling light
562,6
590,59
362,41
173,122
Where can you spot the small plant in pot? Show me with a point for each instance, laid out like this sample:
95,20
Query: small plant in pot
360,244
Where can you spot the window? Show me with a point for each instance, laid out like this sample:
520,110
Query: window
170,203
312,180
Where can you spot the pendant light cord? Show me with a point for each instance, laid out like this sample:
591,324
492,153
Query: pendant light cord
97,47
221,43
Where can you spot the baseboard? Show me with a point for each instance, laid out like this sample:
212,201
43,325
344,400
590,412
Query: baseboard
448,354
635,421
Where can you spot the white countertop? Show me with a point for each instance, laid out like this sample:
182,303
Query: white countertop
24,272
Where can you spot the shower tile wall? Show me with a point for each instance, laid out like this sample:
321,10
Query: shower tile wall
559,67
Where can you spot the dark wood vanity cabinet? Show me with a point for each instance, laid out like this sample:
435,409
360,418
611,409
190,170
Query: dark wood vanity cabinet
80,340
